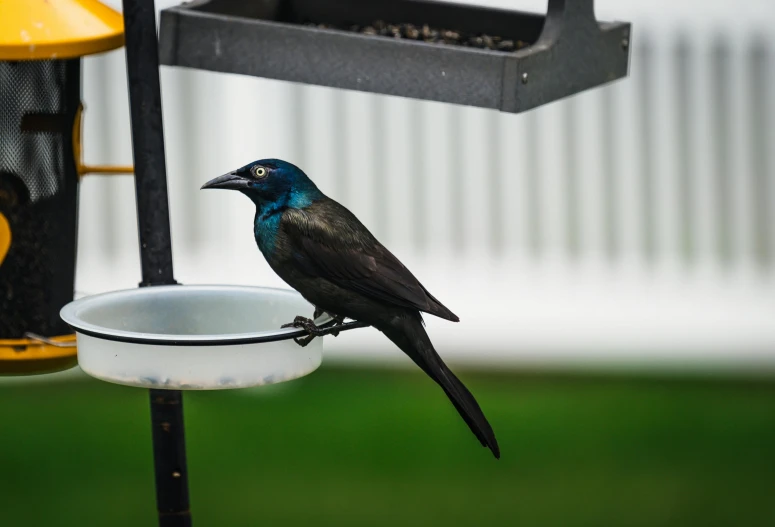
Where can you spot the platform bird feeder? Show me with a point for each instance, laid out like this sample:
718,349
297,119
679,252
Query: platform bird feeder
193,337
41,45
455,53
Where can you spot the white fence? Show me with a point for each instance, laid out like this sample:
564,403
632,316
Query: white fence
630,226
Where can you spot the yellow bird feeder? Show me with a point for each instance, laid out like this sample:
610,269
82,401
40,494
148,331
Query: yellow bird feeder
41,45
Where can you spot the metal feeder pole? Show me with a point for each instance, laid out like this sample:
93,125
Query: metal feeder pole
142,63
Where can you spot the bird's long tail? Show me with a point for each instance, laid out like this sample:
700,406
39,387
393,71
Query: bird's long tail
409,334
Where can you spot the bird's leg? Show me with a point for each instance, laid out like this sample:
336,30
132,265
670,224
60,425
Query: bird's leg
338,321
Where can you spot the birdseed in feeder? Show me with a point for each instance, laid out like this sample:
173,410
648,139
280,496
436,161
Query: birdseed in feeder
426,33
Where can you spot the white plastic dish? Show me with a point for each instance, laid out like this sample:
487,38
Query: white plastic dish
193,337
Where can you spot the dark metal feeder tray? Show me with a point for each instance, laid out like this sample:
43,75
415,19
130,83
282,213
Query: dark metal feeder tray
568,51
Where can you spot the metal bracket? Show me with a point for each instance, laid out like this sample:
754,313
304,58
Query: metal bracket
48,341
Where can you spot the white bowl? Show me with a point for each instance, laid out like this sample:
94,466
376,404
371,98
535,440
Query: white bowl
193,337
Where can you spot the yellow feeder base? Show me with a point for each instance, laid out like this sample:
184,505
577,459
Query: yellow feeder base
33,357
57,29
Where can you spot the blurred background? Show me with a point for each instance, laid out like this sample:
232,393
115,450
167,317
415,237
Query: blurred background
610,256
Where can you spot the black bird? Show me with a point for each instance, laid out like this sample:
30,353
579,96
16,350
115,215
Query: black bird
321,249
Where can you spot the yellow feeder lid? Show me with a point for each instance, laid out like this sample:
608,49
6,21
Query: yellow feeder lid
57,29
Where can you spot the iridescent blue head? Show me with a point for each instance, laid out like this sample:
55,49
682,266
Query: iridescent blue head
270,183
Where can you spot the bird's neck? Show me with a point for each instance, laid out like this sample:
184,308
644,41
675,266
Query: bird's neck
292,199
265,229
269,214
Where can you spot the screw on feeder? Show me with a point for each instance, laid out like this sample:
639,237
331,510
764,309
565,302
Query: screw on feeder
524,78
625,39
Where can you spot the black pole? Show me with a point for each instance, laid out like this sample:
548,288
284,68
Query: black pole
142,61
169,456
142,64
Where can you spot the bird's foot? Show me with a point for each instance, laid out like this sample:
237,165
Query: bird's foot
312,330
309,326
337,319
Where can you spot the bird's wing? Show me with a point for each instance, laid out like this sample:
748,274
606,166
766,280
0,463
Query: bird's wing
328,241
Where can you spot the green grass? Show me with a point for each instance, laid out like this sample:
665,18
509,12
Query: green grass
379,448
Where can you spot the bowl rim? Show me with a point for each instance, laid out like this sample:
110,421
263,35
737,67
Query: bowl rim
70,314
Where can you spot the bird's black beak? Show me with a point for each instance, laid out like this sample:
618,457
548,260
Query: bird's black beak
230,181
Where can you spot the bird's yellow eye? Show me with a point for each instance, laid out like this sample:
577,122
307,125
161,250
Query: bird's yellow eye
259,172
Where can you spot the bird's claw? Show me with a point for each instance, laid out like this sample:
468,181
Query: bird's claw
303,341
302,322
309,326
312,330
